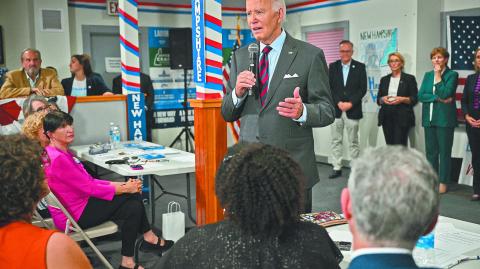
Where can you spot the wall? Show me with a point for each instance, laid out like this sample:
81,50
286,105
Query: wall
452,5
48,42
17,33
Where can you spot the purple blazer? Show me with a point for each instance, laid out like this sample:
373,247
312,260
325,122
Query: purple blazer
72,185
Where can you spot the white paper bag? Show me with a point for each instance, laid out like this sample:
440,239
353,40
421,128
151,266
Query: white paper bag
173,222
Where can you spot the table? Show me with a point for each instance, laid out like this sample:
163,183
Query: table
175,162
463,225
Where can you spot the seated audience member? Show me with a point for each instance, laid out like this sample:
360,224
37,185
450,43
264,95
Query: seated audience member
34,103
146,87
33,128
31,79
92,201
22,244
391,200
84,82
261,189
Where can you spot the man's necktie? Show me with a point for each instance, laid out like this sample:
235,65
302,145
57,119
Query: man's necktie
263,74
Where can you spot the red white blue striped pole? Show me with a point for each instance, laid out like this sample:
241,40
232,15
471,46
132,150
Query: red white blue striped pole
207,48
129,48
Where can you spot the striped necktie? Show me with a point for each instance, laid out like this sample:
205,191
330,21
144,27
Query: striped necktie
263,74
476,95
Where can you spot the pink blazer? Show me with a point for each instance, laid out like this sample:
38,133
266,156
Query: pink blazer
72,185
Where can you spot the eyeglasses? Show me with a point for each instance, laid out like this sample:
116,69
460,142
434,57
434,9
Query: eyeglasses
345,51
48,108
394,61
43,108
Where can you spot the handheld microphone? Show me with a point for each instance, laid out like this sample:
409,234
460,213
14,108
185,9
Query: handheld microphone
252,56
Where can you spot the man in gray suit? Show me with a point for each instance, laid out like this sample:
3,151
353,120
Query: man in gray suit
292,91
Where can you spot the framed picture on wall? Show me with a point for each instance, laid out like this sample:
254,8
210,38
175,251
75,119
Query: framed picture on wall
2,57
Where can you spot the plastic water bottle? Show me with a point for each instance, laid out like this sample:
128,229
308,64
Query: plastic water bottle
424,250
115,137
110,134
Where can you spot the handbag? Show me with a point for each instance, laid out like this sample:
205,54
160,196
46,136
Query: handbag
173,222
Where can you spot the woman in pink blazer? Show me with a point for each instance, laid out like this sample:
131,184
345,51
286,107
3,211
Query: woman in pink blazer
93,201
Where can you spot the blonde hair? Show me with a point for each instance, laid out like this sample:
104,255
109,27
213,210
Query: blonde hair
33,124
399,56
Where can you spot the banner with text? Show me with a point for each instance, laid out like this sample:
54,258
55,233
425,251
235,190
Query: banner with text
374,47
137,128
168,84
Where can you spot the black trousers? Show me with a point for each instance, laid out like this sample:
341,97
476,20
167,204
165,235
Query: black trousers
474,141
127,209
395,134
308,201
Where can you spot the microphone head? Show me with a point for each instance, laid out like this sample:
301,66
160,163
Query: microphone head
253,48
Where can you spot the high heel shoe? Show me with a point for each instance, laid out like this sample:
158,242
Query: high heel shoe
159,249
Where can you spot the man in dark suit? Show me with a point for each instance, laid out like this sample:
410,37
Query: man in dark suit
146,87
348,83
391,200
289,101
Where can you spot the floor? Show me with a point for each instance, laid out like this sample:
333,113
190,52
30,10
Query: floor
326,196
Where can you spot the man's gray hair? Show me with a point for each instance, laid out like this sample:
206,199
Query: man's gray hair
277,4
33,50
27,104
394,193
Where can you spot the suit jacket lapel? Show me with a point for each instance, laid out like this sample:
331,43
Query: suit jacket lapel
401,86
350,73
24,78
285,60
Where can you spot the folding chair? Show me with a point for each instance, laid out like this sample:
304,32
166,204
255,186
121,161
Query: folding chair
78,234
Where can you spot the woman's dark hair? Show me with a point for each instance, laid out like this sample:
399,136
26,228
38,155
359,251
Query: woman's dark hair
55,120
22,177
261,188
477,68
84,60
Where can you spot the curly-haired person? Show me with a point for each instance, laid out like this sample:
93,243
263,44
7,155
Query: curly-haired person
23,245
33,128
261,189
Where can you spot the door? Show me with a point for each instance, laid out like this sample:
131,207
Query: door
104,46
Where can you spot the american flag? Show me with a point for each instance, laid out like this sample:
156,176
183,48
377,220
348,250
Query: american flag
234,126
463,39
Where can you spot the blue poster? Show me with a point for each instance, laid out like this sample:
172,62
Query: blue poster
168,84
137,128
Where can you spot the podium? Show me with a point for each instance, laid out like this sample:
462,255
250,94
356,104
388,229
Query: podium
210,148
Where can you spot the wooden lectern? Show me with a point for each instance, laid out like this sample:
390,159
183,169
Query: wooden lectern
210,148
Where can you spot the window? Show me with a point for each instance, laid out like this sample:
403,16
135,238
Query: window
327,37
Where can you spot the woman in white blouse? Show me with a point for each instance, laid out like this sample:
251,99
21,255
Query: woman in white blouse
397,94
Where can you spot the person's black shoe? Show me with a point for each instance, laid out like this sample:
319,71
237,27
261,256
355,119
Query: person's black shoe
335,174
157,248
